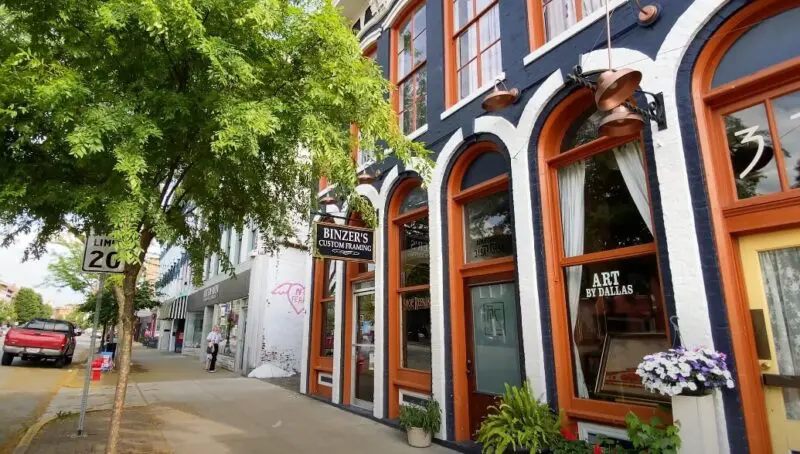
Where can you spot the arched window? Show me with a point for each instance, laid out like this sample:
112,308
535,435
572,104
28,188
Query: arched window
409,300
320,379
485,341
746,90
607,309
359,331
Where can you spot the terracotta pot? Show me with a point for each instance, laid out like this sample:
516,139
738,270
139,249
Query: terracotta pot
418,438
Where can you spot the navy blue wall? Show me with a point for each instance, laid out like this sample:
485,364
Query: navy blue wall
625,33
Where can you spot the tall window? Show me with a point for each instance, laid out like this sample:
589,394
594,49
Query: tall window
485,342
363,157
607,306
550,18
474,26
409,293
326,305
411,73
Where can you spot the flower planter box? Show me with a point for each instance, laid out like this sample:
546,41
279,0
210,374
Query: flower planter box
697,418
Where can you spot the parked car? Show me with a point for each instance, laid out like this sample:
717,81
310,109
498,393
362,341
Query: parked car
41,338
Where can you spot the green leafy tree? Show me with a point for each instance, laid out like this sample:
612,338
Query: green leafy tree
65,271
28,305
7,313
79,318
137,117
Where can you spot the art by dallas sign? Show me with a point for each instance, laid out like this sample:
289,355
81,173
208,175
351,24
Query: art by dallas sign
343,242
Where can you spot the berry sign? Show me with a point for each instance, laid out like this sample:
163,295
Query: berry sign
100,255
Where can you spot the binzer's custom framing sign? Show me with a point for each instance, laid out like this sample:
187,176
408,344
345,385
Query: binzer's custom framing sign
342,242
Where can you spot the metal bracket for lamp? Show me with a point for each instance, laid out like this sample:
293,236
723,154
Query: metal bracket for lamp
654,112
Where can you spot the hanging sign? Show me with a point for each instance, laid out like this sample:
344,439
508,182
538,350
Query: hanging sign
343,242
606,283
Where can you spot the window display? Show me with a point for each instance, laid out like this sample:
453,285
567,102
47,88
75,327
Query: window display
227,318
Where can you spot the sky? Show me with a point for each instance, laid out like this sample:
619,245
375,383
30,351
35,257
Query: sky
33,272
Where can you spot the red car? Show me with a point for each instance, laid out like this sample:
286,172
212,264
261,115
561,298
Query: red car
41,338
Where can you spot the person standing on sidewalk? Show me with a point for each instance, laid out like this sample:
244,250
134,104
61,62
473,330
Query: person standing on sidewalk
213,338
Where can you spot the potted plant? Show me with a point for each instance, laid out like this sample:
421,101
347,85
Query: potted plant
685,372
420,422
520,423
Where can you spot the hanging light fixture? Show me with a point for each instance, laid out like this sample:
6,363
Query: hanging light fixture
622,121
648,14
327,200
614,87
500,99
364,177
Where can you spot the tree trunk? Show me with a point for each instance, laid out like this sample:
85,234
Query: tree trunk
103,336
125,297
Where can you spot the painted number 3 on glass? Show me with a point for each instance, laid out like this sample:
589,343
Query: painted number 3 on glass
749,136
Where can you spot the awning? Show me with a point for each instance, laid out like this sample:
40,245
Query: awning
175,309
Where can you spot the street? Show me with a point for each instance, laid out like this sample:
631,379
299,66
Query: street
26,389
174,406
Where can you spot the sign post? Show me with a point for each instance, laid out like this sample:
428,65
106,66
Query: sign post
99,256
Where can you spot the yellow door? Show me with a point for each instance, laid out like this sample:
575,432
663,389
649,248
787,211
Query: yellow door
771,268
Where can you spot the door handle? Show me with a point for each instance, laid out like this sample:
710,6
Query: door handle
781,381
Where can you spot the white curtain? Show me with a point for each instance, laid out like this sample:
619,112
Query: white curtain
631,165
571,186
590,6
780,270
558,16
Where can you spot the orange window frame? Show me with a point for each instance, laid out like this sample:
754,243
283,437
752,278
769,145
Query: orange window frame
400,377
319,364
536,27
462,274
732,217
353,275
406,17
551,159
452,67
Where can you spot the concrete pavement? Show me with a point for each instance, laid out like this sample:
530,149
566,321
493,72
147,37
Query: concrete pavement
195,412
25,392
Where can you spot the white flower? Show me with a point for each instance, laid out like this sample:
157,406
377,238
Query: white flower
729,384
701,377
692,386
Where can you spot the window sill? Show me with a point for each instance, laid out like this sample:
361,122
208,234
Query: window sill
570,32
474,95
418,132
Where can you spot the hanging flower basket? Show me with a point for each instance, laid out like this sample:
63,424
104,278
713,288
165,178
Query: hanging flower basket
685,372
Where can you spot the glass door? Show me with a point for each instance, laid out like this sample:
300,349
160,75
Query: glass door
493,356
771,271
363,367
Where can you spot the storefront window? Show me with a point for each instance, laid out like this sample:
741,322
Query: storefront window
227,318
198,337
489,228
611,281
414,255
416,322
329,279
328,323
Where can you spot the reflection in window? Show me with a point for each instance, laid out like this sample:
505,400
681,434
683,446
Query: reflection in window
227,318
617,318
484,168
416,330
584,130
787,119
329,278
615,213
414,253
489,228
764,45
751,151
328,315
478,62
415,199
411,72
560,15
496,347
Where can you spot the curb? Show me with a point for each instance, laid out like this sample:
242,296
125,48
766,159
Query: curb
25,442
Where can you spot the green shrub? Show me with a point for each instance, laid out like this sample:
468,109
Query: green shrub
520,421
652,438
427,418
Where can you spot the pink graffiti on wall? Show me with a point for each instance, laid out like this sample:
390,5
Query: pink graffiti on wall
295,292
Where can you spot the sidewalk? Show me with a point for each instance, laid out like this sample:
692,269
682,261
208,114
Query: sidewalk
171,398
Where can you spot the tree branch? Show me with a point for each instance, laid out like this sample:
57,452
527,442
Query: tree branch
178,182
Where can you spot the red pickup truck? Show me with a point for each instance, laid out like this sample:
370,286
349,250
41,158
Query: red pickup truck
41,338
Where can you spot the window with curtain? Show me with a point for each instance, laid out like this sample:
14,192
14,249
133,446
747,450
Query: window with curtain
414,290
553,17
611,278
411,71
476,35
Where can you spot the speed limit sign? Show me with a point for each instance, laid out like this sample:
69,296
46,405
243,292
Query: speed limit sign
100,256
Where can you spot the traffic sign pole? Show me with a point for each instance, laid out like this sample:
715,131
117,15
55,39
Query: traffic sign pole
92,343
